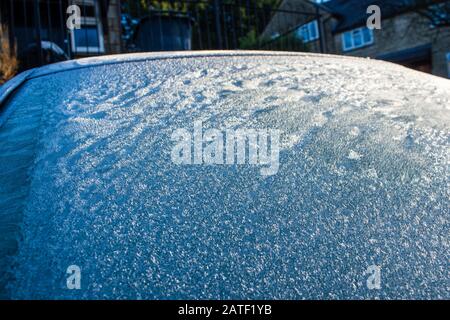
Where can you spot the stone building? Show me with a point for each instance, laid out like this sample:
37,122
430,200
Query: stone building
406,37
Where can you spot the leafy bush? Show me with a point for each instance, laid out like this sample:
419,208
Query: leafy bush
9,63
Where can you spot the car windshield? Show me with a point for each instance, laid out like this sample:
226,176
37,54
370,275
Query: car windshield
88,178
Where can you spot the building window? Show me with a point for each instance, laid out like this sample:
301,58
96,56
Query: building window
309,31
448,64
89,38
357,38
274,35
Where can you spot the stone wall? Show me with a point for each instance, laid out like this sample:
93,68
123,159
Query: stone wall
398,33
404,32
283,22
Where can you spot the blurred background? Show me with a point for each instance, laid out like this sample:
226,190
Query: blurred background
414,33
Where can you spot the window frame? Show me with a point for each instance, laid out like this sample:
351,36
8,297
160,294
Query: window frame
352,32
312,24
89,22
448,64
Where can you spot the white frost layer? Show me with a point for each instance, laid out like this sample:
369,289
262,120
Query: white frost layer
363,180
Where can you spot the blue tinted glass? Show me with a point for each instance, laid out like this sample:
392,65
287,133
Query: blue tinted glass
347,40
357,38
313,30
302,33
367,35
87,36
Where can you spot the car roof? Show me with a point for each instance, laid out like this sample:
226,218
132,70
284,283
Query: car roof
362,180
11,85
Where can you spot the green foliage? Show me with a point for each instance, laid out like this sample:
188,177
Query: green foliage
250,41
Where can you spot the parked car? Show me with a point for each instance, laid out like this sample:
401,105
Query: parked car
51,53
357,208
